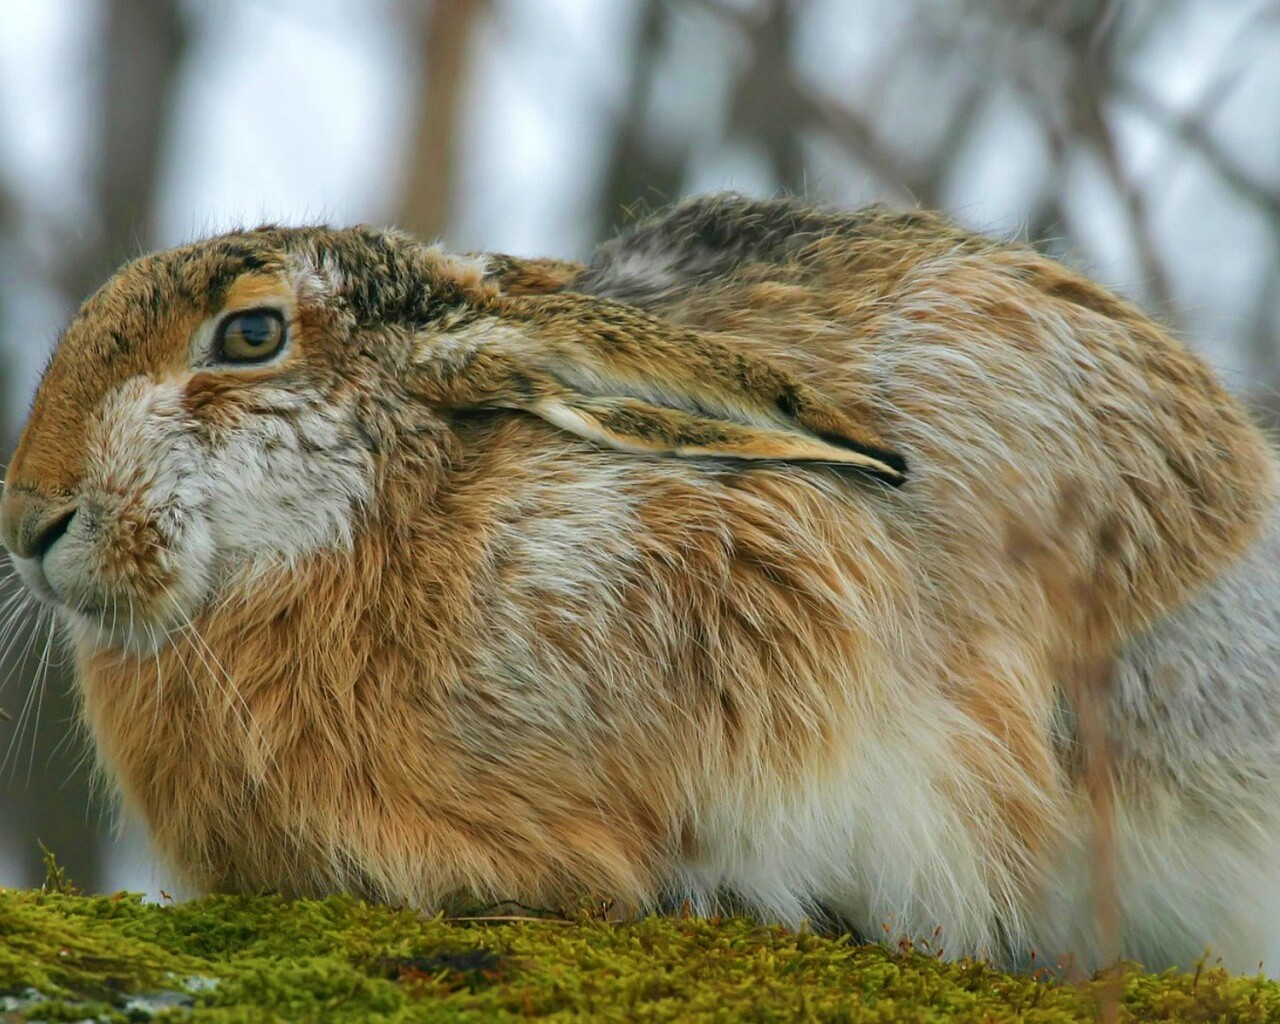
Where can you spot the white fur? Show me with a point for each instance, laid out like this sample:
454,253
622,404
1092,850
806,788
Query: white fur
315,277
876,840
276,486
1196,724
280,488
886,835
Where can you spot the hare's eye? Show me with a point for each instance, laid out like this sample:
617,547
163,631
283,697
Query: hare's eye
249,337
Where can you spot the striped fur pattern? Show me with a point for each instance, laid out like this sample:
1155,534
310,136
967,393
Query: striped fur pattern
747,566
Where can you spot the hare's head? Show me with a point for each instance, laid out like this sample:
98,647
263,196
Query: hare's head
222,409
198,418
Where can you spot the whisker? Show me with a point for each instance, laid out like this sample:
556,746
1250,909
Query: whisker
39,688
25,628
18,597
82,763
208,659
155,653
12,629
254,737
14,751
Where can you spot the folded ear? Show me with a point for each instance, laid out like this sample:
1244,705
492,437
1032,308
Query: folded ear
632,425
619,377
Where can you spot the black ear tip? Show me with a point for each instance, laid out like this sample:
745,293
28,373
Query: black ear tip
894,461
895,471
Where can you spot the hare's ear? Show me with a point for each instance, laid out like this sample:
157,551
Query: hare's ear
630,381
634,425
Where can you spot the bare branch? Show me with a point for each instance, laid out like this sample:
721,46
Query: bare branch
428,199
1191,130
856,135
638,170
1073,109
796,107
143,51
766,105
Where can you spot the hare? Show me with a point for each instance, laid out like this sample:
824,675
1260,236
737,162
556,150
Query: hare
749,565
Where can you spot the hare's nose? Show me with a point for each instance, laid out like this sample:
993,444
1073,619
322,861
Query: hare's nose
31,524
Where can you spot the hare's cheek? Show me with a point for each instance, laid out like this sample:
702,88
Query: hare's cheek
287,484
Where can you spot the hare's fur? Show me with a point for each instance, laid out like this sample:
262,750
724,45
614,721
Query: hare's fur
521,580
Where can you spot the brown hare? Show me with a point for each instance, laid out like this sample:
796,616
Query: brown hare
747,565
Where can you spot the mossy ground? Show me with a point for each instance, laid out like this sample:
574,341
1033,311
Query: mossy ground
342,960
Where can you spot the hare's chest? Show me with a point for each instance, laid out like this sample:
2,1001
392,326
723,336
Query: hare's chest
227,803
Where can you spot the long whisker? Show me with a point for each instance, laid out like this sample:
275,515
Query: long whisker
222,679
15,611
39,687
28,626
16,627
155,654
13,752
253,736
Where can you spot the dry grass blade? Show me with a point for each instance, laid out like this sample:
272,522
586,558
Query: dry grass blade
1085,677
1085,687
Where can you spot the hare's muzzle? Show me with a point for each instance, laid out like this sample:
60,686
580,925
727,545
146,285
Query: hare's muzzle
31,524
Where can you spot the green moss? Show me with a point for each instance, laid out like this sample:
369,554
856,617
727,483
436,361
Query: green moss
265,958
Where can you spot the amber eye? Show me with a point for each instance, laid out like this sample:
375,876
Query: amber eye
250,337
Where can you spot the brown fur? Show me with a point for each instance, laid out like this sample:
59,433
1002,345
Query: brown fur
542,659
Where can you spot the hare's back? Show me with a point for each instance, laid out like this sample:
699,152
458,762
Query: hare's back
718,242
1063,446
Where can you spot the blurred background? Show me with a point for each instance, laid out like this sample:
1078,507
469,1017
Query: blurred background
1137,139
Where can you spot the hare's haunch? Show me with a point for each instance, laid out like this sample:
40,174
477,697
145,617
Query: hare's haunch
754,564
